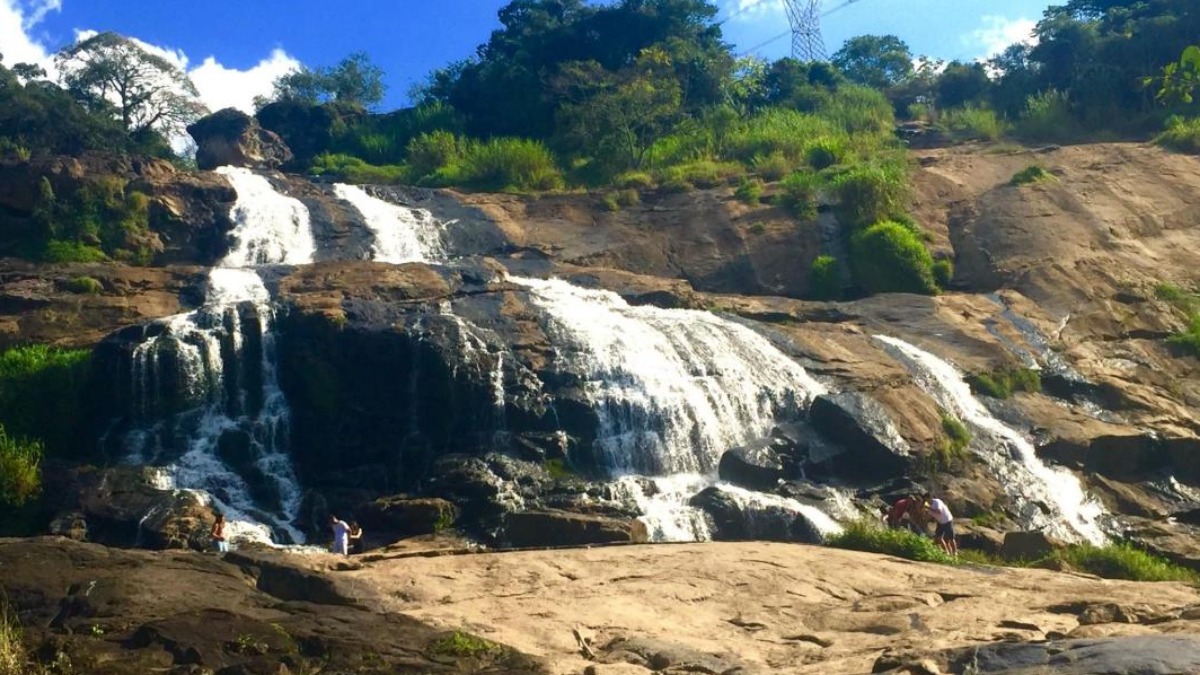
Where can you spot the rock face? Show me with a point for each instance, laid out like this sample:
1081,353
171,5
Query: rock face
1028,545
230,137
734,519
115,612
1132,655
561,528
874,448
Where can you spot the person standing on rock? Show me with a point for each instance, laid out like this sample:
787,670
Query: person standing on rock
356,540
944,533
341,535
218,534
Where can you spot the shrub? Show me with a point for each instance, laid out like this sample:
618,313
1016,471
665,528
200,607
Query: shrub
772,167
943,272
85,286
1182,134
1047,117
757,228
973,123
889,258
1005,382
1189,339
825,152
858,110
825,279
615,201
20,469
704,173
354,170
431,152
510,164
1031,174
634,180
951,450
1124,561
800,195
870,193
868,536
59,251
676,185
462,645
749,191
42,391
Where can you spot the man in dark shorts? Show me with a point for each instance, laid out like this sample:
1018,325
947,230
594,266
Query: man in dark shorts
944,534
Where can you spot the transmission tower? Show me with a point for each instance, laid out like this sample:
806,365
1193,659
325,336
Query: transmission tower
805,17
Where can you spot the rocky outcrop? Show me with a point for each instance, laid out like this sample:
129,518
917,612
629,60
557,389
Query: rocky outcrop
129,613
552,527
874,449
1028,546
230,137
1130,655
737,519
408,516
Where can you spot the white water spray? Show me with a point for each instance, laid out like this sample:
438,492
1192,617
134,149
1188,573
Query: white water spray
401,234
1049,498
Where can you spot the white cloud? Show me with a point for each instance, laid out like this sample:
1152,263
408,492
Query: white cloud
222,87
998,34
750,10
17,19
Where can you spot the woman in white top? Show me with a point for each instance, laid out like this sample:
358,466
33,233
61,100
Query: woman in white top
944,534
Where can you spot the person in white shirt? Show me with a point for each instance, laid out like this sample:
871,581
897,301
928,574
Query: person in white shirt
944,533
341,532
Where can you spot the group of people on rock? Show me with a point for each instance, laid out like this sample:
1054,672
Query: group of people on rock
913,513
347,537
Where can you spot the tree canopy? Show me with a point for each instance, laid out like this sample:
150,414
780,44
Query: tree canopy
354,80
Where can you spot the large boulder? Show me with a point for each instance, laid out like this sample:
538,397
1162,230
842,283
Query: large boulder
874,447
1126,655
739,515
407,516
1123,457
230,137
756,466
550,527
1029,545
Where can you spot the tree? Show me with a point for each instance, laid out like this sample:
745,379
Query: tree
878,61
962,83
1180,80
354,80
109,72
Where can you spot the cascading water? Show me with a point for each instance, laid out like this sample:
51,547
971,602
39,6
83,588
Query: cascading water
401,234
231,440
1048,498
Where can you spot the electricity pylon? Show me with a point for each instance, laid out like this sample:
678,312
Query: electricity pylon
805,17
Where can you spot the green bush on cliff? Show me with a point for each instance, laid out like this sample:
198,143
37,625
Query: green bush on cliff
1031,175
799,195
872,192
888,258
1005,382
951,450
462,645
866,535
1124,561
1182,134
20,469
41,393
825,279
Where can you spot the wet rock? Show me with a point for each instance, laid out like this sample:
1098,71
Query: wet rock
561,528
407,517
230,137
1128,458
757,466
1183,456
874,448
1133,655
1029,545
738,518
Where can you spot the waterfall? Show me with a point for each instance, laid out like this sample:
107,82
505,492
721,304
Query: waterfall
761,506
226,436
673,389
1048,498
664,505
401,234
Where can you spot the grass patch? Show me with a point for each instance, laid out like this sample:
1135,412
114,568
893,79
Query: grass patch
943,272
704,173
772,167
1031,175
889,258
973,123
41,393
559,469
1048,118
749,191
1182,134
20,469
85,286
462,645
825,279
799,195
870,193
864,535
1124,561
1005,382
1188,302
951,450
620,199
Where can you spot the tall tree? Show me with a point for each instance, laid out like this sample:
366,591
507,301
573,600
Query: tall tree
878,61
110,72
355,80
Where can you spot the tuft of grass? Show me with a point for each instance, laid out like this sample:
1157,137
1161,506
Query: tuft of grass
825,279
1181,134
1031,175
951,450
1187,302
61,251
20,469
462,645
799,195
871,193
634,180
889,258
973,123
943,272
1003,383
865,535
619,199
703,173
559,469
1124,561
772,167
1048,117
85,286
749,191
13,659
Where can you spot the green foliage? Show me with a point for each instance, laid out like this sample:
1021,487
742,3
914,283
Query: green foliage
510,164
350,169
20,469
1003,383
1048,117
825,279
355,80
559,469
825,152
868,536
1184,299
951,449
943,272
41,393
877,61
1189,339
101,218
620,199
772,167
634,180
462,645
1124,561
870,193
431,152
888,258
1179,80
749,191
1033,174
58,251
1182,134
85,286
973,123
799,195
703,173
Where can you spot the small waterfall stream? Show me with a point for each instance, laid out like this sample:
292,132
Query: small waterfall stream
1048,498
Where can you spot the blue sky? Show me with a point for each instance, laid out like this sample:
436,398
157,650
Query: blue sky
235,48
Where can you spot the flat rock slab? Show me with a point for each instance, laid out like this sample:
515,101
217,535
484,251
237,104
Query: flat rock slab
1135,655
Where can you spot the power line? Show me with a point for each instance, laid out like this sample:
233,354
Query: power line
789,31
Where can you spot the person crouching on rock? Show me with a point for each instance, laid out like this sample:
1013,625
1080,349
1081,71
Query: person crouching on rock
356,540
944,534
218,534
341,535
